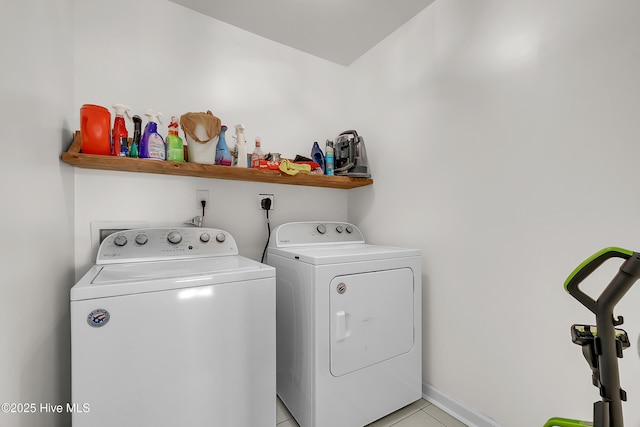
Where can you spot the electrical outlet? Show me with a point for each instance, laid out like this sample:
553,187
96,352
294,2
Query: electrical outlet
200,196
266,196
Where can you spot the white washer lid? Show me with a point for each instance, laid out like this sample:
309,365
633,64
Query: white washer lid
134,278
337,254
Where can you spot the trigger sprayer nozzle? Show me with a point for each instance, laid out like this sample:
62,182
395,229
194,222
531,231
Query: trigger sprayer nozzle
122,109
153,115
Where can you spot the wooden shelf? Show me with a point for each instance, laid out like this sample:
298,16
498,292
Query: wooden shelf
126,164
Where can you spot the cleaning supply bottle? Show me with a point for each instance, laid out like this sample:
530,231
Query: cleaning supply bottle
152,143
329,158
241,143
119,134
317,156
223,155
95,125
257,154
137,133
175,152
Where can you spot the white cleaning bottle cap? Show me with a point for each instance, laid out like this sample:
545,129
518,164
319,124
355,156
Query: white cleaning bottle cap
121,110
153,115
240,139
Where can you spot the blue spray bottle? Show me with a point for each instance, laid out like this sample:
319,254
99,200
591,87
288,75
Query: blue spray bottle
223,155
152,144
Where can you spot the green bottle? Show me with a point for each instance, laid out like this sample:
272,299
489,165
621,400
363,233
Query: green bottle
175,151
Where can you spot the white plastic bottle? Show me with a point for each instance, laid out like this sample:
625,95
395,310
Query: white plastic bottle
257,154
241,143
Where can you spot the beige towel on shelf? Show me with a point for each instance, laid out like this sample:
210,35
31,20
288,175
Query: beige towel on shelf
211,123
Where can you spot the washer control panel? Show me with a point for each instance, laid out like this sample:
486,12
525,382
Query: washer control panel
154,244
315,233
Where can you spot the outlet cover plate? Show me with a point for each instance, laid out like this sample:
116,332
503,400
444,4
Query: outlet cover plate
266,196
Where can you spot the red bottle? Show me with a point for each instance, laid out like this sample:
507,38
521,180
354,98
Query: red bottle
94,129
119,135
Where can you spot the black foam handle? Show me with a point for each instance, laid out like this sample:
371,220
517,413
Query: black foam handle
349,132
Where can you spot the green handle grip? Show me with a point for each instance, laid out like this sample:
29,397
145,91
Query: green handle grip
587,267
566,422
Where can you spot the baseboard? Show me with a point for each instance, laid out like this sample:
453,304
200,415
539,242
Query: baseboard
456,409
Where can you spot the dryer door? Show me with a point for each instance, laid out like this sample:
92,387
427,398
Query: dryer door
371,318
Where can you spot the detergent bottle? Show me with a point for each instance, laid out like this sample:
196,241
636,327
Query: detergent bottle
241,144
223,155
95,123
152,143
119,134
175,152
317,156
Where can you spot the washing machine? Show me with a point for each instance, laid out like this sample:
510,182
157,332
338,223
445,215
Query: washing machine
171,327
349,346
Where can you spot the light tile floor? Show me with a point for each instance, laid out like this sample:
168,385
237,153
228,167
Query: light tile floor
418,414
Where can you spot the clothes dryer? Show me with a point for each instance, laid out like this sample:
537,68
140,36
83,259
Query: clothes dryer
172,327
349,346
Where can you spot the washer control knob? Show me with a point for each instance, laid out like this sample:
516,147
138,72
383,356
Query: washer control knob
174,237
204,237
120,240
220,237
349,229
141,239
339,229
321,228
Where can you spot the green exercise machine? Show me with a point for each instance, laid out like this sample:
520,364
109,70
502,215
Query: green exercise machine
603,343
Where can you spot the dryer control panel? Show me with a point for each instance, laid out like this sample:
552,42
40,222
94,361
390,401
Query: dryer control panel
315,233
155,244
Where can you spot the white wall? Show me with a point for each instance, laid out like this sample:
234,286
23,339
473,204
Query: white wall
37,208
503,138
172,59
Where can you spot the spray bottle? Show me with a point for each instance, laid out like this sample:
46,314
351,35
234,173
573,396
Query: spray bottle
175,152
152,143
119,135
137,133
241,143
223,155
